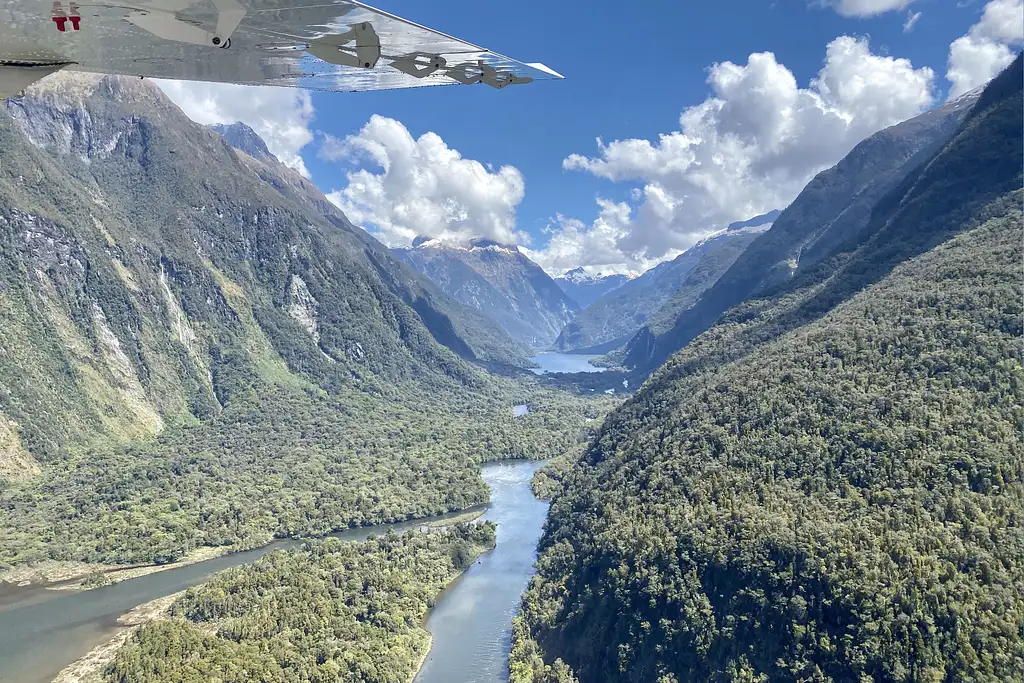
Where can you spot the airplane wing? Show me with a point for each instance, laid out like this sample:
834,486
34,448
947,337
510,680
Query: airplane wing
315,44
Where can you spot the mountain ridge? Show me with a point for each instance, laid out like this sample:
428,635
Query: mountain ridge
499,281
775,503
617,316
585,289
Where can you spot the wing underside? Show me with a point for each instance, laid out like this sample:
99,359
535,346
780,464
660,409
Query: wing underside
339,46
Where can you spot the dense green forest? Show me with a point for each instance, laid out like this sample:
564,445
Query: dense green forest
845,505
328,613
291,463
827,485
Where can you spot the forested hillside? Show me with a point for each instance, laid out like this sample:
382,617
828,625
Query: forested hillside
828,484
332,612
197,349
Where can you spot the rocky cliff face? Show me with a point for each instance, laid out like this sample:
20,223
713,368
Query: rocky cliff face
500,282
150,272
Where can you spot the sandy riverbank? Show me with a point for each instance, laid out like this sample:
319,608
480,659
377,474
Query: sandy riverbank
89,669
461,519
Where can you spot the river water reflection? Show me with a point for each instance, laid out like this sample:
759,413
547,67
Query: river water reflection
472,622
42,631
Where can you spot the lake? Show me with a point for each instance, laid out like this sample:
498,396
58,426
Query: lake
564,362
42,631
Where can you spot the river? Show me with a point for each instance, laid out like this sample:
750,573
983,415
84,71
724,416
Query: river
42,631
472,622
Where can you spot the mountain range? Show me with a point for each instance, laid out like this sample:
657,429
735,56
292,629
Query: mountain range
832,211
184,323
615,317
500,282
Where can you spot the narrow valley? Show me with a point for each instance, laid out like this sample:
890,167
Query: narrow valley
701,364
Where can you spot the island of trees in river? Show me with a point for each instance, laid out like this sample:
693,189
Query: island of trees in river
331,612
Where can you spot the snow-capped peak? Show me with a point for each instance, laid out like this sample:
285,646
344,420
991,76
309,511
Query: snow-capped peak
475,244
580,276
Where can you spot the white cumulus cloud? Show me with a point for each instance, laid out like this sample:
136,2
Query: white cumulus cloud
865,8
420,186
976,58
1002,20
281,116
595,246
748,148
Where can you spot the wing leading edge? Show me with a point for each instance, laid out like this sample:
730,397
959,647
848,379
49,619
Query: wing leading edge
340,46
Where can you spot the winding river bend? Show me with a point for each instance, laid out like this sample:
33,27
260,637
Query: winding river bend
42,631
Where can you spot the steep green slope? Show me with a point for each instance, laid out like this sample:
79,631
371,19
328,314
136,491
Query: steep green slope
831,211
846,503
828,484
151,275
197,349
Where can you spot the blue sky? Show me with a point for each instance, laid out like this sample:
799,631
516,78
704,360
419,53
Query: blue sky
631,69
